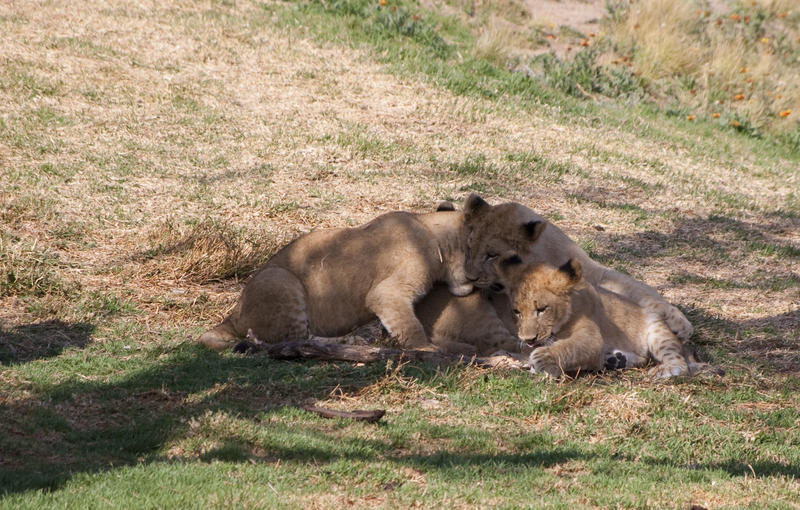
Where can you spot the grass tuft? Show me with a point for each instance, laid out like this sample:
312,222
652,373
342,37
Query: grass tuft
27,269
207,250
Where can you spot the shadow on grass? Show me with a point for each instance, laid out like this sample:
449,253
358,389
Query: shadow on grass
718,242
84,426
46,339
757,469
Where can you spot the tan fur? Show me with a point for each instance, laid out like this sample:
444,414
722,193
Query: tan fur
587,325
328,282
478,324
499,229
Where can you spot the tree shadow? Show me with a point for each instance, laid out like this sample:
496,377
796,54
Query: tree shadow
240,403
46,339
718,242
714,240
85,426
771,342
734,467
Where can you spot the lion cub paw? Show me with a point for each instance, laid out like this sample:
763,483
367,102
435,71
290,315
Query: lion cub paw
616,361
665,371
543,362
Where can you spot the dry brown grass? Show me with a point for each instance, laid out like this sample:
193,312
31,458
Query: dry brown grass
728,65
163,127
659,30
496,42
206,251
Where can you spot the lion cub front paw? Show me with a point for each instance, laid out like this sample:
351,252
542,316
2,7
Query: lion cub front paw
543,362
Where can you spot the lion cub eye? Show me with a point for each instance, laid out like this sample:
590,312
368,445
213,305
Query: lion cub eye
541,309
491,256
516,312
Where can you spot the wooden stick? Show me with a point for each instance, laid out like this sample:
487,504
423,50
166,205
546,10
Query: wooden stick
315,349
362,415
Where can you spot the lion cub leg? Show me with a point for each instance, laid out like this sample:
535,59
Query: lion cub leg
220,337
272,306
581,350
393,303
666,350
674,318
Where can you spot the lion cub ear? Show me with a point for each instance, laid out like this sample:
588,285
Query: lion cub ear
572,270
475,206
533,229
445,205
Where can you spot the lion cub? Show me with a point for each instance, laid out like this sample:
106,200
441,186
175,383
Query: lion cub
328,282
590,328
478,324
494,230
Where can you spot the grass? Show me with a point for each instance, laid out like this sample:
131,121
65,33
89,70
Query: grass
190,416
738,62
156,157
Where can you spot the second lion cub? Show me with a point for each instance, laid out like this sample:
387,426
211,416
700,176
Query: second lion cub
328,282
590,328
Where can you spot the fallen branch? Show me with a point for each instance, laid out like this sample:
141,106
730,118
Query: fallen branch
316,349
362,415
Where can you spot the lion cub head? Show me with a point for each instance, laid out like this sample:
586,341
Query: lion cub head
493,230
541,296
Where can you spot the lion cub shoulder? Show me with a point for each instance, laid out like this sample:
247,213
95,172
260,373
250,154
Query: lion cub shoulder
328,282
588,328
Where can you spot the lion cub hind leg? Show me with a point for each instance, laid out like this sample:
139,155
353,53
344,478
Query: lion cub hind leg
272,306
220,337
666,350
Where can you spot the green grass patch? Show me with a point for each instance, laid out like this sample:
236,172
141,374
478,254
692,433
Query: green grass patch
363,142
190,417
412,39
